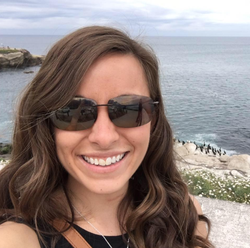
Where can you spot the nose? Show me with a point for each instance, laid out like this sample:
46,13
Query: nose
104,132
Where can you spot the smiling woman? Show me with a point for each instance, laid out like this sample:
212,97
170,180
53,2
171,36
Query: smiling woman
92,162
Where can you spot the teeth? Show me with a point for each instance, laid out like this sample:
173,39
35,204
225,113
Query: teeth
118,158
113,160
108,161
102,162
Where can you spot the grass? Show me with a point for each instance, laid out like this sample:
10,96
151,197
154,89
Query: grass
6,51
207,184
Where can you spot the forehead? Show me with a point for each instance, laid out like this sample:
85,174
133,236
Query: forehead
114,75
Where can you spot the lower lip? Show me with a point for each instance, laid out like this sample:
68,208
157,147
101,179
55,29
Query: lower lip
103,169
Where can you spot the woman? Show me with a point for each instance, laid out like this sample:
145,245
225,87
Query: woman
93,150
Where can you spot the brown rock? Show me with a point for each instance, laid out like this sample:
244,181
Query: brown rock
19,59
3,61
15,59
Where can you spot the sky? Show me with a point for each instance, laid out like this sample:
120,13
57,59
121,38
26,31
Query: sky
146,17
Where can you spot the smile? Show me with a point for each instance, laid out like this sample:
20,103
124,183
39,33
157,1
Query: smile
103,162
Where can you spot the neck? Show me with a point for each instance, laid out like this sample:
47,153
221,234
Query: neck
100,210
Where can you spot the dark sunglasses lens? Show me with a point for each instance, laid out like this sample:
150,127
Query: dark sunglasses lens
131,111
79,114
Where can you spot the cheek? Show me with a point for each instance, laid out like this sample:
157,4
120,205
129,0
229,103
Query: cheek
66,139
64,144
60,140
140,137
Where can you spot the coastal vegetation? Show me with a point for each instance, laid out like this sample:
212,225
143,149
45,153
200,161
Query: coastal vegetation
211,173
207,184
5,149
4,50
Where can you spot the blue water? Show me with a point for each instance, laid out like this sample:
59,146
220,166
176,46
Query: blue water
205,83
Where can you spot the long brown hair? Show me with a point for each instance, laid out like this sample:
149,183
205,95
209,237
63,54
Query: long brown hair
163,214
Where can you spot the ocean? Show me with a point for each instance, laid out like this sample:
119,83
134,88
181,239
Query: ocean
205,84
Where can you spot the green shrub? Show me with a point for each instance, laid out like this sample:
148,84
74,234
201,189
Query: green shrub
5,149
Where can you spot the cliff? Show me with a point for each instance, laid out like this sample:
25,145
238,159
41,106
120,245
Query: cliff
18,58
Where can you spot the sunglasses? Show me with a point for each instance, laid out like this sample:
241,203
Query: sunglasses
124,111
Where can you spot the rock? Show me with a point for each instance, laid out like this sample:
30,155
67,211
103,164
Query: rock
176,144
15,59
35,60
181,150
11,60
28,72
19,58
240,162
197,152
224,158
236,173
187,148
4,62
191,147
190,158
202,160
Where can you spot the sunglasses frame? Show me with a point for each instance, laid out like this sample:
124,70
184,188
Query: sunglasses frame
146,104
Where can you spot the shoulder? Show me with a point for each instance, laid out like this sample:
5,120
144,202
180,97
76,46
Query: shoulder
19,235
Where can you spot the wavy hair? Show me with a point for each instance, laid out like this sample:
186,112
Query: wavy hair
163,214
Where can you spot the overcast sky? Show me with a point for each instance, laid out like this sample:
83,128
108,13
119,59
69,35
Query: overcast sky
147,17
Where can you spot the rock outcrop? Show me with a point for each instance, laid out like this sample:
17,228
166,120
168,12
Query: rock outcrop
240,162
191,158
18,58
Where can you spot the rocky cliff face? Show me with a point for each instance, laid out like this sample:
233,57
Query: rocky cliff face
19,58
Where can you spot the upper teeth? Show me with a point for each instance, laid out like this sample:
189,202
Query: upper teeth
102,162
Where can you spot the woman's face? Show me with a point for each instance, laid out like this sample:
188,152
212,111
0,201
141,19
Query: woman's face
110,76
